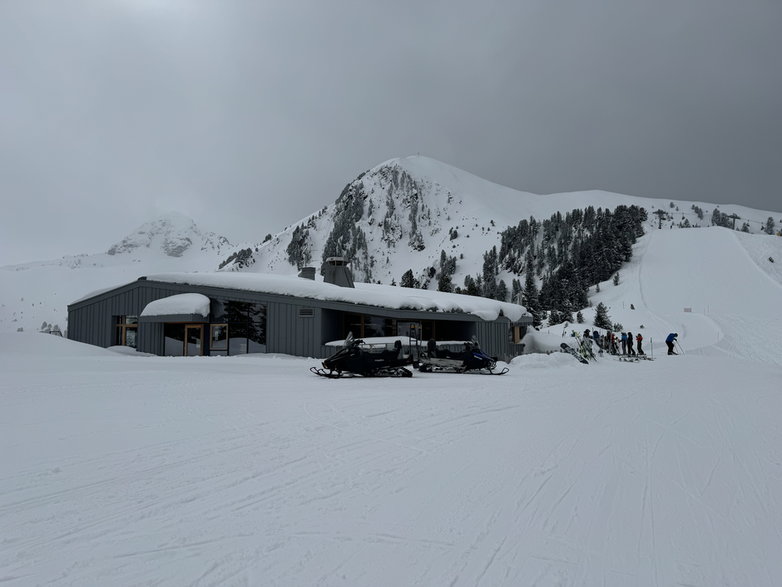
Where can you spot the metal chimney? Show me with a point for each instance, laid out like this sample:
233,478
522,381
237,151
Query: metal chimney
336,270
307,273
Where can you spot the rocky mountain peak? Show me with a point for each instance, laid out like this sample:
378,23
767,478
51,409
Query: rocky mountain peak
173,234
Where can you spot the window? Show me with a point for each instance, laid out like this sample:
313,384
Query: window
182,339
218,339
173,340
125,330
363,326
244,327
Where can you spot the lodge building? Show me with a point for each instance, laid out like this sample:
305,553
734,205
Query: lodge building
228,313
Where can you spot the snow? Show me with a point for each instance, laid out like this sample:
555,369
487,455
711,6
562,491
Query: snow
120,469
31,293
386,296
185,304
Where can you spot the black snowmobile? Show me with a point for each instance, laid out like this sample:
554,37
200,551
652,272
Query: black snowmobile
470,358
355,359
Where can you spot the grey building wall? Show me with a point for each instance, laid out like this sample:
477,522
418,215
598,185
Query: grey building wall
294,326
92,320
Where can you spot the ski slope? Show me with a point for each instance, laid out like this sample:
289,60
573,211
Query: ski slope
715,287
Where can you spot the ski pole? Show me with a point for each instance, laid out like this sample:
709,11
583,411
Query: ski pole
680,346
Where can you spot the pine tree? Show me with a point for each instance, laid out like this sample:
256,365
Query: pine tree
407,279
502,291
515,290
530,299
601,317
470,286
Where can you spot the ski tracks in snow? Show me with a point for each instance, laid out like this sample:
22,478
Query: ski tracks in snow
528,479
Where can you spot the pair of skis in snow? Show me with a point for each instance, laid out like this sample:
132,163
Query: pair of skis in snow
584,351
566,348
634,358
585,356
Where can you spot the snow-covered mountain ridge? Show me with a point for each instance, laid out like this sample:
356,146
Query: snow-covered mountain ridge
404,213
172,234
32,294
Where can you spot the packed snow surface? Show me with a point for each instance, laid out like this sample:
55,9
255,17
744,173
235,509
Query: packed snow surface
134,470
185,304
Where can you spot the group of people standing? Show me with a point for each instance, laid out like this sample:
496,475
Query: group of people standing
617,343
623,343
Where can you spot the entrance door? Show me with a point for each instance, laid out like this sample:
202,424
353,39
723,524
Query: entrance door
194,340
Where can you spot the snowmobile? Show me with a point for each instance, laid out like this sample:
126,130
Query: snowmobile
470,358
354,358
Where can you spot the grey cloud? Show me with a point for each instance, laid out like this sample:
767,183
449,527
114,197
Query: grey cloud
250,115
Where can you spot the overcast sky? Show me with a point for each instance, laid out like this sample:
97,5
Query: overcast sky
249,115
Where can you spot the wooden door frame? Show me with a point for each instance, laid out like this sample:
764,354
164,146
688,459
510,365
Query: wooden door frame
200,328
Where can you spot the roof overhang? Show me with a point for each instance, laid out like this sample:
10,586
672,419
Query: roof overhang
186,307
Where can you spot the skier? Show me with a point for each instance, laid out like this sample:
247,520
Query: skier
639,339
669,340
624,343
630,350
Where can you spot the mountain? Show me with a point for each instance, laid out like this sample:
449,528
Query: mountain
405,213
412,215
32,294
173,235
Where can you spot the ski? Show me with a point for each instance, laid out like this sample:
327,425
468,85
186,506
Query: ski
566,348
385,372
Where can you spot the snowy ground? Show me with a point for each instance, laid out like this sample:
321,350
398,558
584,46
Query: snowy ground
130,470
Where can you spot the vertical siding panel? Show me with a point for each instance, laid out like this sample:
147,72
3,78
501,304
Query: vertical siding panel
308,335
283,326
273,342
276,335
301,341
309,340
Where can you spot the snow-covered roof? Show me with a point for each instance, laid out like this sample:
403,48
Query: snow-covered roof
188,304
384,296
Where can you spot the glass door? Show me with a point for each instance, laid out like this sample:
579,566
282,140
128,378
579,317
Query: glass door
194,340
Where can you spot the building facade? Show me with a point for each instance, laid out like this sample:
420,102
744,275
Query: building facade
230,314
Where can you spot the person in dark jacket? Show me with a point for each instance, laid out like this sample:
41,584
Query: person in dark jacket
669,340
630,349
639,338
